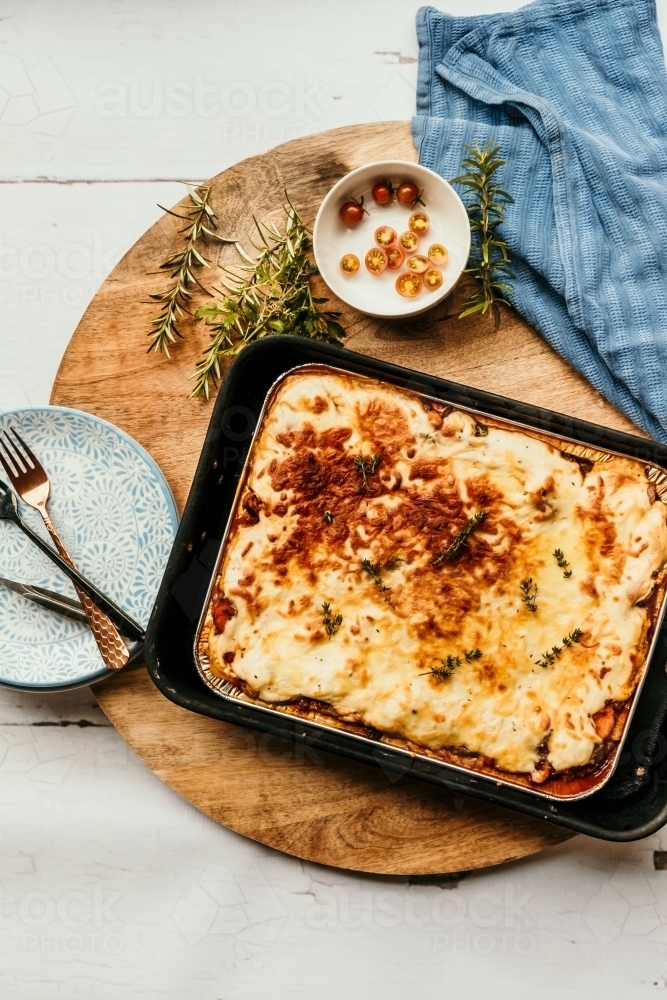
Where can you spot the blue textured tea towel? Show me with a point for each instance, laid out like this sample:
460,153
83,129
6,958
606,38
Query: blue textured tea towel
575,92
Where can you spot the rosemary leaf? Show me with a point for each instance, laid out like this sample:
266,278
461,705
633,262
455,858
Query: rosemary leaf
489,260
270,295
180,267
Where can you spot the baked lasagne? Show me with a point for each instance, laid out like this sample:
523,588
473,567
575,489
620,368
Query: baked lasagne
453,584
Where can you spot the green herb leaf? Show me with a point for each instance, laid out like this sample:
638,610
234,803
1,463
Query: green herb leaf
180,267
454,549
550,657
269,294
486,210
529,594
374,573
331,623
563,563
366,467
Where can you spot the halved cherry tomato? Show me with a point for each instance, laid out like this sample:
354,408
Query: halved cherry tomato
432,279
385,236
408,241
419,223
438,254
395,258
408,285
352,212
382,193
417,264
408,193
349,263
376,260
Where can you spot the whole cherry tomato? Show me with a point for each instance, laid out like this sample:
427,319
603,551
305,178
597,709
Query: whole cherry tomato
382,193
408,193
352,212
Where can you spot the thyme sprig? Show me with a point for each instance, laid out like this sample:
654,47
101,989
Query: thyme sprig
374,573
366,467
199,218
563,563
529,593
331,623
489,263
450,663
268,294
553,654
452,551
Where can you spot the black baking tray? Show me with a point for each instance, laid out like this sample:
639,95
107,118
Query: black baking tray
631,805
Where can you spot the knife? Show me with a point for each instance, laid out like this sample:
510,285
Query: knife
48,599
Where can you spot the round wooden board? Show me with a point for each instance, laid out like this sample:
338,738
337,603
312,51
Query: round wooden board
322,808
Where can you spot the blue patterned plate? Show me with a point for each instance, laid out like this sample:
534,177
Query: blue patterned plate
114,511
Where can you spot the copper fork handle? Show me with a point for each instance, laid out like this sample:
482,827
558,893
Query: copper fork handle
113,650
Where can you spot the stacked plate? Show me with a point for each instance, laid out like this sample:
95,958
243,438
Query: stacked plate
116,514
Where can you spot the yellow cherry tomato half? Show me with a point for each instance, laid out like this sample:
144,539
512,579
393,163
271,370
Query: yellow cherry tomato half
395,258
417,264
419,223
408,285
432,279
376,260
408,241
349,263
437,254
385,236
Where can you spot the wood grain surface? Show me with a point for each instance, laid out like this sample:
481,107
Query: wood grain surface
322,808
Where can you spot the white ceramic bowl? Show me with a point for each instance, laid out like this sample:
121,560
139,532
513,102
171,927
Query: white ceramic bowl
377,295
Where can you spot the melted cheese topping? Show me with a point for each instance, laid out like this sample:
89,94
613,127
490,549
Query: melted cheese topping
437,469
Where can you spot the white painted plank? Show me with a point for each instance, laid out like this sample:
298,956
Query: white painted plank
57,244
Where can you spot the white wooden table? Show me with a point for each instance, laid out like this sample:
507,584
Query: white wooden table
110,885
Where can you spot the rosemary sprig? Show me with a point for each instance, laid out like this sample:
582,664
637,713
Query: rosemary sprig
489,263
453,550
374,573
199,218
330,622
271,295
550,657
328,517
563,563
529,594
366,467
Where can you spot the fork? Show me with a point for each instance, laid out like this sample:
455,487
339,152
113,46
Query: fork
30,481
